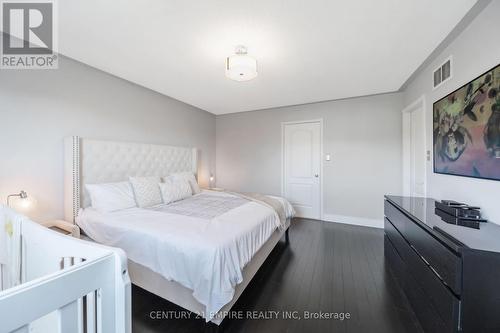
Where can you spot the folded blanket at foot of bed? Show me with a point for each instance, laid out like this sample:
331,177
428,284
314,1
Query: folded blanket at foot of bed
277,205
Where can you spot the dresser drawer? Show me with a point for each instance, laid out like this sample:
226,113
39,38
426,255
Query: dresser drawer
445,263
425,312
427,316
442,301
394,261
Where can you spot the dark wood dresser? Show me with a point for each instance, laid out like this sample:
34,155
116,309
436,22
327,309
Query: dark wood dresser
450,274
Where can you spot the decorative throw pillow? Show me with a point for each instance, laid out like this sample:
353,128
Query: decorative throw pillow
146,190
110,197
175,189
189,176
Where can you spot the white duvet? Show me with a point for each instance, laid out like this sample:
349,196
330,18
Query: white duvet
205,255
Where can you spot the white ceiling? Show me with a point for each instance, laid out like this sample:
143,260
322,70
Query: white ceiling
307,51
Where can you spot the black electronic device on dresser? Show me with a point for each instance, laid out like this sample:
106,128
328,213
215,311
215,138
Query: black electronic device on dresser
449,273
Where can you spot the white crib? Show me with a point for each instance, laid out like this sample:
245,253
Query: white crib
53,283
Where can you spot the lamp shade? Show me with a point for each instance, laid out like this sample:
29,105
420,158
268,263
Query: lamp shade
23,203
241,67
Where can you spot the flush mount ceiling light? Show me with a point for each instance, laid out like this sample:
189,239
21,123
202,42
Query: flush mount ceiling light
240,66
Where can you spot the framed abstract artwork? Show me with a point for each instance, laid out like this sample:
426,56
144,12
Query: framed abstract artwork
466,128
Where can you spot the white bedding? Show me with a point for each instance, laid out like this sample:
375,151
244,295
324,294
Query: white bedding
204,206
205,255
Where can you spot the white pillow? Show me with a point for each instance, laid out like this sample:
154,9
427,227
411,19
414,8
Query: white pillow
110,197
189,176
175,189
146,190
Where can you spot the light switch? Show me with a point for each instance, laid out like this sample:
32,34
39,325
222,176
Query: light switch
328,157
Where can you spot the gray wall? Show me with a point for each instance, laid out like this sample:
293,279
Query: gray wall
39,108
363,135
474,51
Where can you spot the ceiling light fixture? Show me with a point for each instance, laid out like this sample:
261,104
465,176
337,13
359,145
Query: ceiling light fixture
240,66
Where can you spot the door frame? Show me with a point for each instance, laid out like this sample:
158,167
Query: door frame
418,104
321,174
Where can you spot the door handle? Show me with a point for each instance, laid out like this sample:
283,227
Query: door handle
316,175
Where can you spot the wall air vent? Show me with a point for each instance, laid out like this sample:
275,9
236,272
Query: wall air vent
442,73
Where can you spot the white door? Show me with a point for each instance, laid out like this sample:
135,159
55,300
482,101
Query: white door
414,151
302,166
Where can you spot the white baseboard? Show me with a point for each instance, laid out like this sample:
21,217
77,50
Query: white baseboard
354,220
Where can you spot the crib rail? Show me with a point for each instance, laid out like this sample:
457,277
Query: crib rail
63,292
86,289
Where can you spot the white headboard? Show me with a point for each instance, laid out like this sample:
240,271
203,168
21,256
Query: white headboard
95,161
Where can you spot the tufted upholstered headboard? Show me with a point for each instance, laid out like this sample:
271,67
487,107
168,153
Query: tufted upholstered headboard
95,161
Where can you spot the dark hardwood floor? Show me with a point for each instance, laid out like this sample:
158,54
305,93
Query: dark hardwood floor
327,267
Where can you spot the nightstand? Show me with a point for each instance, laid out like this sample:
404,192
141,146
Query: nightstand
63,227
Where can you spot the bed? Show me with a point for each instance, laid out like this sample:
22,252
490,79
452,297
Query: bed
199,253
